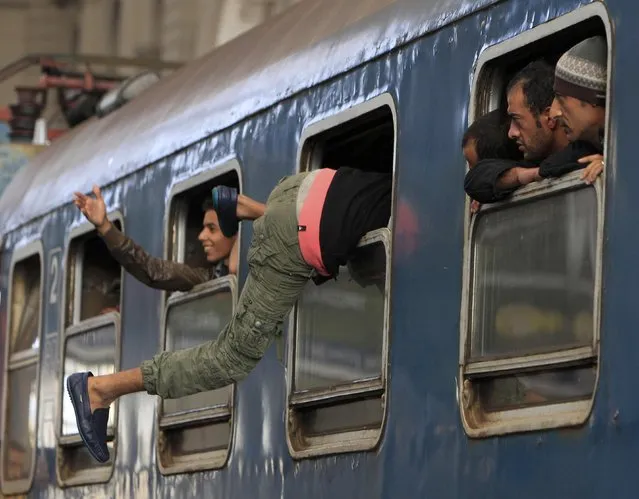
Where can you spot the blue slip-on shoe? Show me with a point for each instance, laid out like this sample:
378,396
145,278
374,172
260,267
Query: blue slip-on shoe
225,205
92,427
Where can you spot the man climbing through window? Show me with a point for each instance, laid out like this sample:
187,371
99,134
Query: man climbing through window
310,226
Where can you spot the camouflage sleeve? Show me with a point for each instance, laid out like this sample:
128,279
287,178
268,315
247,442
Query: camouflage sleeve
154,272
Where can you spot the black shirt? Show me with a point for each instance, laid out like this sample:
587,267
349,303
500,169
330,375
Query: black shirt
357,202
481,181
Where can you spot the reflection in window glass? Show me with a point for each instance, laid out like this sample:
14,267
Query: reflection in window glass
192,323
25,305
95,351
519,391
534,271
20,427
340,324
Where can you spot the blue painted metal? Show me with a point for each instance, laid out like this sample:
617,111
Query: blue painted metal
245,76
424,451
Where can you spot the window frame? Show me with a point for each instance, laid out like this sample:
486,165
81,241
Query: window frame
487,85
72,328
349,440
478,423
20,360
209,415
174,249
88,325
72,306
174,234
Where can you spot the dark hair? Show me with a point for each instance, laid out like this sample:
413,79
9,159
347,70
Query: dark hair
207,204
536,80
490,133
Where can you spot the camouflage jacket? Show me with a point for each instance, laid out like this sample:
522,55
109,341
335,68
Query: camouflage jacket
156,272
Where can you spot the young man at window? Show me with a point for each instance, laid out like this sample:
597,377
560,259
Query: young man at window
157,273
311,225
543,142
484,140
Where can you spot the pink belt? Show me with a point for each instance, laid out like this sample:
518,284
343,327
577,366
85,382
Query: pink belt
311,198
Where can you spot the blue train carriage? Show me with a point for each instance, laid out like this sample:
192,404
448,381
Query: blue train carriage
492,364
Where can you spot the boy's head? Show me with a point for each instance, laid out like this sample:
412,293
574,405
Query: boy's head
487,138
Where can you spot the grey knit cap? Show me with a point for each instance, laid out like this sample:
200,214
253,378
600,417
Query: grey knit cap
581,71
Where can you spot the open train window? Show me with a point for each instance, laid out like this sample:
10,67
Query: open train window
90,343
532,273
93,278
195,432
339,342
21,376
186,212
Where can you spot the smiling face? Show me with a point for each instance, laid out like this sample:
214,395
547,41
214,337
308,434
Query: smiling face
216,246
533,134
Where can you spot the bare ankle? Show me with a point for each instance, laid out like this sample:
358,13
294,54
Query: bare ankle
98,396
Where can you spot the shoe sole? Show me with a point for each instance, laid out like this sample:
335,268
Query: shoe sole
77,419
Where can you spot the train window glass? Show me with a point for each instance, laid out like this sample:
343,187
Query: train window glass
196,430
93,278
341,330
21,375
338,349
89,346
530,309
90,343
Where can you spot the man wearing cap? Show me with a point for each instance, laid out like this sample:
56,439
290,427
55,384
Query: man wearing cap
580,98
541,138
311,226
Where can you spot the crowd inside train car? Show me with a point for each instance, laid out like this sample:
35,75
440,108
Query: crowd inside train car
554,124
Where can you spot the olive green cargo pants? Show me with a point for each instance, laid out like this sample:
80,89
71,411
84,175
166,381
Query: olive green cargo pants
277,275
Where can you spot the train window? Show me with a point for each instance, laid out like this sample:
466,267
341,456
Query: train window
22,371
93,278
194,432
338,349
186,212
89,346
530,310
90,343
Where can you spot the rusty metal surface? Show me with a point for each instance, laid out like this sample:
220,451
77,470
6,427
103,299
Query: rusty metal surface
313,41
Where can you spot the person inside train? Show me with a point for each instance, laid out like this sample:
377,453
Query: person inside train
311,224
221,251
538,133
486,139
580,87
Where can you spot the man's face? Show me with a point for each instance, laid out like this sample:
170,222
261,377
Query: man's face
532,133
216,246
580,120
470,153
